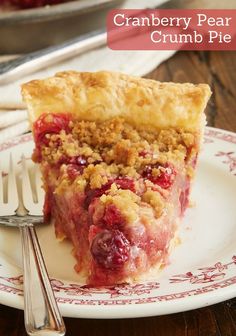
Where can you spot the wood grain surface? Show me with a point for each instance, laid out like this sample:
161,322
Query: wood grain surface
218,69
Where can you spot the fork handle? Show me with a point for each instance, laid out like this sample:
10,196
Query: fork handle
42,316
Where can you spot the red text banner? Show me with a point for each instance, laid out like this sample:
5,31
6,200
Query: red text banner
169,29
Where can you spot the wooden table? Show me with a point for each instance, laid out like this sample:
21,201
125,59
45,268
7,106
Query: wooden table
219,70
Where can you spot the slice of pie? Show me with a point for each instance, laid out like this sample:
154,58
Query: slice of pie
117,155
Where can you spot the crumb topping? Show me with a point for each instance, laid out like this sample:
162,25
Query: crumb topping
155,200
92,155
122,198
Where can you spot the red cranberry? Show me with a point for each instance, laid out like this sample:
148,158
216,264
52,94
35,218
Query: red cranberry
49,124
63,160
75,160
75,164
166,177
147,172
73,171
110,249
125,183
143,153
79,160
94,193
122,183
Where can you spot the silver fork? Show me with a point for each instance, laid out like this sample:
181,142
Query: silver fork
22,207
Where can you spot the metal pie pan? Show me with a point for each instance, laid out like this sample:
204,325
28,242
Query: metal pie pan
32,29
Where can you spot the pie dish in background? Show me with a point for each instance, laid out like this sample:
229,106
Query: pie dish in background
22,31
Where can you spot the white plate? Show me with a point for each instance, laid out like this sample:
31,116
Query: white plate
202,269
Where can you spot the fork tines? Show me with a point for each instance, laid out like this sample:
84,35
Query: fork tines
9,204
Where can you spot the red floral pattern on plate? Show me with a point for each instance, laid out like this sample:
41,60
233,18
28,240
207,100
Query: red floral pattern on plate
16,141
230,160
220,135
207,140
18,280
152,299
112,291
11,285
208,274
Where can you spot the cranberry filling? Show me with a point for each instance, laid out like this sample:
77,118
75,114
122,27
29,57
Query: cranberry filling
91,194
110,249
49,124
184,198
47,207
112,217
143,153
75,165
125,183
74,170
121,182
166,177
106,243
79,160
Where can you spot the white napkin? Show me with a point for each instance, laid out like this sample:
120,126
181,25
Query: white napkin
13,123
14,130
131,62
139,4
8,118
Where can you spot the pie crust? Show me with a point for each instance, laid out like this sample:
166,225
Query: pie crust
99,96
